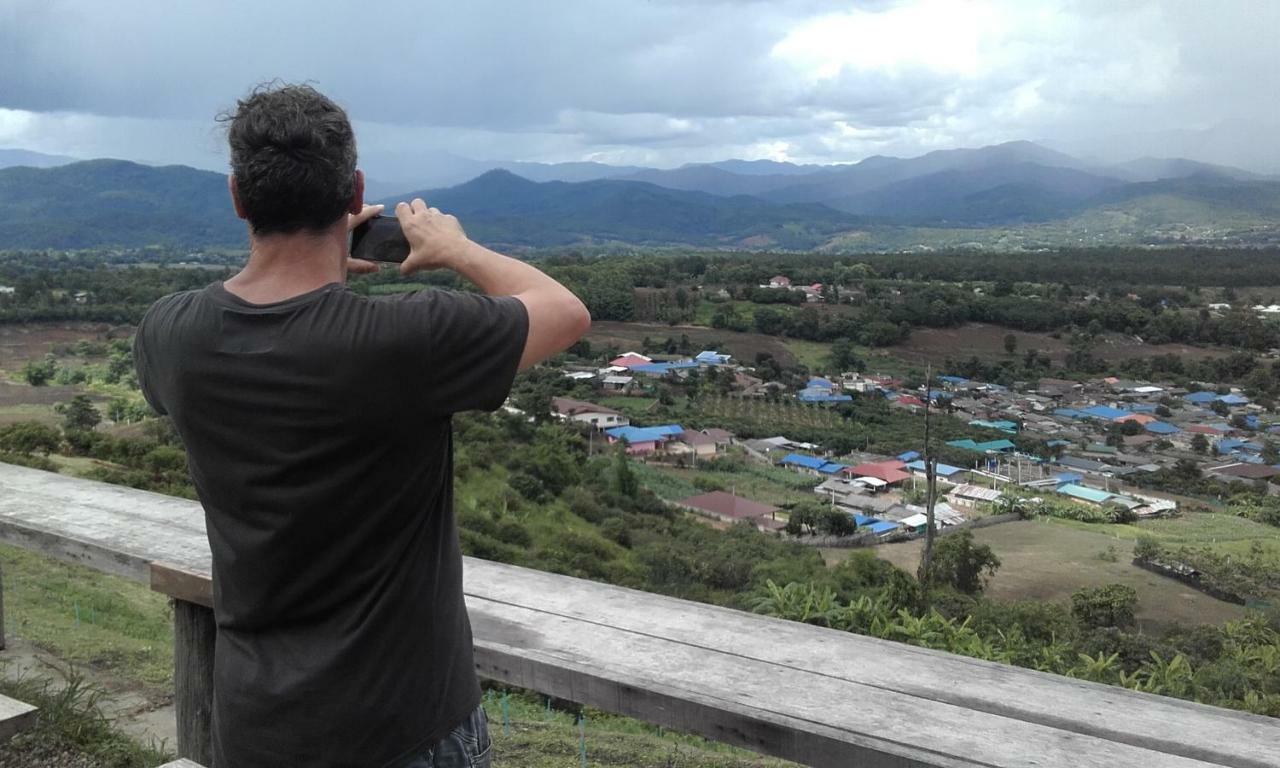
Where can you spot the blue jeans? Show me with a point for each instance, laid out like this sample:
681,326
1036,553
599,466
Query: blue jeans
467,746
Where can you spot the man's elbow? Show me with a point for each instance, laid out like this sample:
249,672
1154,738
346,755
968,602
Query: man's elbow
581,321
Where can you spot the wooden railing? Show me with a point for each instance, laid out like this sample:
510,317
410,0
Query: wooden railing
816,696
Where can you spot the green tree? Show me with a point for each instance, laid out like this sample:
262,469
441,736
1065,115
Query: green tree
834,522
1010,344
29,437
79,415
1199,443
963,564
39,374
624,480
1113,605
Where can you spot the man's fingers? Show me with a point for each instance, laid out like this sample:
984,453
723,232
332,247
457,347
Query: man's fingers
356,219
434,210
419,206
403,211
361,267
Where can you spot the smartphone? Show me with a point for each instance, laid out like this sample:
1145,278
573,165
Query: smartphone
379,239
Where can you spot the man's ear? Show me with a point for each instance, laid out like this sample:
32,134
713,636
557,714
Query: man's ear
235,196
357,199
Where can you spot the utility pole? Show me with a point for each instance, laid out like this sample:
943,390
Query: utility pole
931,489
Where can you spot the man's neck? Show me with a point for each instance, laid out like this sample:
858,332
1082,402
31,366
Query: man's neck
283,266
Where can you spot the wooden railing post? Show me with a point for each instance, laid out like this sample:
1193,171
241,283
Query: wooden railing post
193,635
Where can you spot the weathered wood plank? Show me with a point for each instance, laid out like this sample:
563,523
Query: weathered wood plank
1156,722
15,717
182,585
109,528
794,714
193,635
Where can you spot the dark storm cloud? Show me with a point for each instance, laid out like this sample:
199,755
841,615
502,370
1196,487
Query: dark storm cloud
655,81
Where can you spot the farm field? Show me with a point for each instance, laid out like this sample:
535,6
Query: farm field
1047,560
744,346
986,342
758,482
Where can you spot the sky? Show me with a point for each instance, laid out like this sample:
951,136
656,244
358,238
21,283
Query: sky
654,82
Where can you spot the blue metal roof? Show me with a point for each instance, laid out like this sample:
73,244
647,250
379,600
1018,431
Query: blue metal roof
711,356
862,520
802,460
1141,408
882,526
1162,428
1068,477
953,379
909,456
1233,399
943,470
832,468
668,429
1002,425
823,397
995,445
1105,412
1201,397
818,381
637,434
1084,493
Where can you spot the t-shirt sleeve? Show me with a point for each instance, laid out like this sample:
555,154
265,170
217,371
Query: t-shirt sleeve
470,344
142,364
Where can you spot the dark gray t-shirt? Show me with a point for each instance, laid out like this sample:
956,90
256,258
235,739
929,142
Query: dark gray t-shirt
318,434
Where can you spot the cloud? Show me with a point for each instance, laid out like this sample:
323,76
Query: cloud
661,82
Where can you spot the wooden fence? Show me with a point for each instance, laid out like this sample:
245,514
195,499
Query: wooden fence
816,696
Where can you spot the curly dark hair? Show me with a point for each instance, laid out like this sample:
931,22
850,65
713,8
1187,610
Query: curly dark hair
293,155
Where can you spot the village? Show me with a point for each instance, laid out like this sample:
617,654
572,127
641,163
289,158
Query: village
1083,444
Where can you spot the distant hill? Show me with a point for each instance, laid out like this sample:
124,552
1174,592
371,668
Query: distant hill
12,157
115,203
502,208
1015,195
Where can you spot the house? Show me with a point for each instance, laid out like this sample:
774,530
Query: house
582,412
1009,427
617,383
695,443
1243,471
722,437
580,375
944,472
990,446
973,495
729,508
1137,418
630,359
1104,413
887,472
676,367
780,281
644,440
1161,428
812,465
711,357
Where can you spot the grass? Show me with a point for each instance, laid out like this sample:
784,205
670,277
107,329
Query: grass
125,630
1049,559
758,482
87,617
71,729
1224,533
533,735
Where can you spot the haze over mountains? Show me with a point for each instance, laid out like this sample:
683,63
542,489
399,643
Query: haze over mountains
1013,195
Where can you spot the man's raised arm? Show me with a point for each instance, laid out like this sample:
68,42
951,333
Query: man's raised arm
557,318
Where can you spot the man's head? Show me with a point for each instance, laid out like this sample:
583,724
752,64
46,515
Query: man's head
293,160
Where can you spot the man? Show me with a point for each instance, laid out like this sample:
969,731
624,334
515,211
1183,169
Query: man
317,428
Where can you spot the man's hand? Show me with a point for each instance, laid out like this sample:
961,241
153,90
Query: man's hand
360,266
436,239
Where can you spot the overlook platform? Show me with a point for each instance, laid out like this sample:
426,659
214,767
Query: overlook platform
815,696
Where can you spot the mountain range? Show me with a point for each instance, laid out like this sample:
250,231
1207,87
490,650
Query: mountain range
1013,195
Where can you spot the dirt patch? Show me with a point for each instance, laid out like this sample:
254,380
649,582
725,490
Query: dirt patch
1042,561
986,342
20,343
743,346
